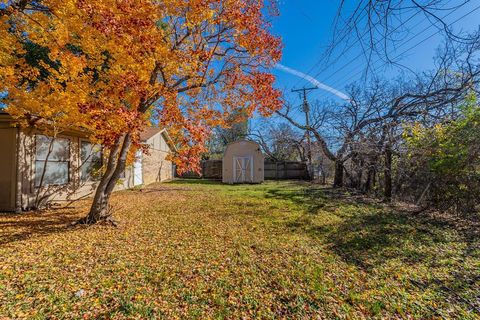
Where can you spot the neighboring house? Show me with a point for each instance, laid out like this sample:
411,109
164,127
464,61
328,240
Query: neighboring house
72,165
155,166
243,162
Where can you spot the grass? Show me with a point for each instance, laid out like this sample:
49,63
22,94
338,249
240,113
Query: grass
197,250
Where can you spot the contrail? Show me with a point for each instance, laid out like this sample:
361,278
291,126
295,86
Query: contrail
313,81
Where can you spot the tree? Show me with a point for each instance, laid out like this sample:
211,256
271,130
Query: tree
365,130
114,66
15,6
280,141
447,156
381,28
235,128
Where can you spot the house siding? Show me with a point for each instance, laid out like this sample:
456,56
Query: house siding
7,168
75,189
156,167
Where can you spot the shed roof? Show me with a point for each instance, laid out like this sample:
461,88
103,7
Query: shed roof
243,142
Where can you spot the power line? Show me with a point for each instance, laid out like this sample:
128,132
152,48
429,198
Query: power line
328,66
354,43
412,38
405,51
332,48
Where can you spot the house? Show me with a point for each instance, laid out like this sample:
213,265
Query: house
243,162
35,168
155,166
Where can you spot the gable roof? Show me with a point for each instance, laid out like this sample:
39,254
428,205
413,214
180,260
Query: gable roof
149,132
144,136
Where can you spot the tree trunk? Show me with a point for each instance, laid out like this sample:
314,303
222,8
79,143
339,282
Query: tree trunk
338,178
99,211
359,176
388,173
368,183
323,172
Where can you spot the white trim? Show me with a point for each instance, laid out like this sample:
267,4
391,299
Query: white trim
235,169
251,169
164,133
243,167
138,165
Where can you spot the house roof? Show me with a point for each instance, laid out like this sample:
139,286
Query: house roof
152,131
144,136
149,132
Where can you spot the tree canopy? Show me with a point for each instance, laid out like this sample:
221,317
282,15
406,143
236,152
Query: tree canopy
115,67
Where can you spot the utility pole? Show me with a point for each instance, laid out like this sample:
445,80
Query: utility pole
306,110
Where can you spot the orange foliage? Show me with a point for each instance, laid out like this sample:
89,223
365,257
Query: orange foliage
114,66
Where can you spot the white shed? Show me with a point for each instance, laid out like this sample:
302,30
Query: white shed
243,163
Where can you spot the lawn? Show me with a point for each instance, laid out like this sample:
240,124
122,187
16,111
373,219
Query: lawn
197,249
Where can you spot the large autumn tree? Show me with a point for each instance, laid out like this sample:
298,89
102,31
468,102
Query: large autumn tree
114,66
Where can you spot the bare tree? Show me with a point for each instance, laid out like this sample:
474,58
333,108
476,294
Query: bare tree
365,131
280,141
379,27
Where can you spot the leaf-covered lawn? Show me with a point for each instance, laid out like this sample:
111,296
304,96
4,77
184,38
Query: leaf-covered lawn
193,249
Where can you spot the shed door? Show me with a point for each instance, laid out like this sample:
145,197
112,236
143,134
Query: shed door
243,169
138,170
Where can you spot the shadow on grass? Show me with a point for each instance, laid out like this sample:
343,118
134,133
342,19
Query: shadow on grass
313,199
152,189
310,199
18,227
370,241
368,234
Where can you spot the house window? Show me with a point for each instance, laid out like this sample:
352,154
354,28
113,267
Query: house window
52,161
91,157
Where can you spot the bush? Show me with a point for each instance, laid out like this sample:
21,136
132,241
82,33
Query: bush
444,160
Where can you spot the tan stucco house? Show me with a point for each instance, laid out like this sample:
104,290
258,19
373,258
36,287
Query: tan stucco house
243,162
72,165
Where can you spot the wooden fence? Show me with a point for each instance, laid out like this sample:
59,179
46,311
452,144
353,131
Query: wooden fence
285,170
210,169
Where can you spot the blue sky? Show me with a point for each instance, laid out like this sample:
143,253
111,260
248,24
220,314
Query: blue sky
305,27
